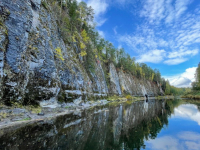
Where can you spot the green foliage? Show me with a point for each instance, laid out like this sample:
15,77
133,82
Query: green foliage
82,46
44,4
129,97
25,119
3,115
171,90
85,36
167,90
72,10
83,53
59,55
196,83
75,21
192,94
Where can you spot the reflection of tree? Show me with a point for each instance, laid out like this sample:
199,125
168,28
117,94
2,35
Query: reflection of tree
171,104
144,131
196,102
149,129
124,126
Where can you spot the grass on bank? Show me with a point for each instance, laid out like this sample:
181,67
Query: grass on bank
121,98
25,119
129,97
31,108
192,95
3,115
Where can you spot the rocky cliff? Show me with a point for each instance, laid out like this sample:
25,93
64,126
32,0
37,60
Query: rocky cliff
31,66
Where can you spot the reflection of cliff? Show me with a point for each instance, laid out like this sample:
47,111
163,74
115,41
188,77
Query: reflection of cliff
109,127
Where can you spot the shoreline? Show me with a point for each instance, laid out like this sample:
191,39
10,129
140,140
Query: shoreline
11,122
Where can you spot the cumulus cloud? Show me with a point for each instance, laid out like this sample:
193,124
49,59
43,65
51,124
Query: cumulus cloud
184,79
187,111
182,82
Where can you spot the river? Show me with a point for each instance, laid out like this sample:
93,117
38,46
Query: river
152,125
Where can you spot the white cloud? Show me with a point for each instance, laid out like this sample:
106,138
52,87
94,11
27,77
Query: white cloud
154,56
184,79
115,30
181,7
119,46
189,73
183,140
168,10
79,1
182,53
100,7
175,61
192,145
175,30
188,111
100,21
101,33
164,143
191,139
153,10
182,82
189,136
143,40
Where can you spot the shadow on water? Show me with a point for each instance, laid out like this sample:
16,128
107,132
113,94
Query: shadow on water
120,126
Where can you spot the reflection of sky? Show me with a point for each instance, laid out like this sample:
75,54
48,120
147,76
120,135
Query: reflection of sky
187,111
182,133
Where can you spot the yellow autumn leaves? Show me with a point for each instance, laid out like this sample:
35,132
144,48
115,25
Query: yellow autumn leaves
59,55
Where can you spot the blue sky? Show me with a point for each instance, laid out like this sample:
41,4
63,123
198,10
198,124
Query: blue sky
165,34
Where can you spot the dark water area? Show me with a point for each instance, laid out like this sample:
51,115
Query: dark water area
152,125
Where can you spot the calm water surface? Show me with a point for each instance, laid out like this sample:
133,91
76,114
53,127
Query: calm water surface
152,125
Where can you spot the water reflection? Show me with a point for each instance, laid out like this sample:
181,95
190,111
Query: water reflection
183,131
182,141
187,111
140,125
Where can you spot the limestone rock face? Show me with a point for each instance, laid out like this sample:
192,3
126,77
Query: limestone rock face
114,81
31,70
125,83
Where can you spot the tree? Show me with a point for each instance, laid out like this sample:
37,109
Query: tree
167,90
196,83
